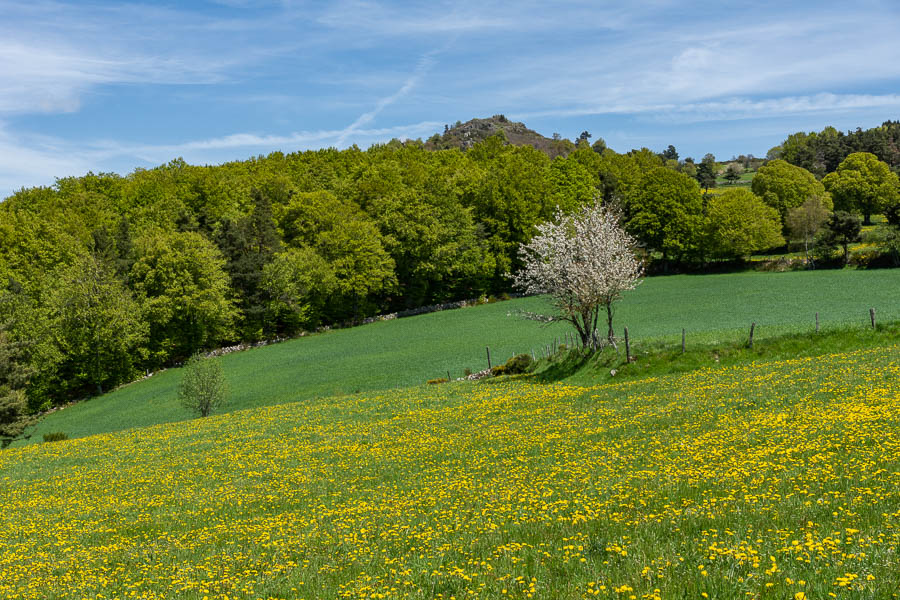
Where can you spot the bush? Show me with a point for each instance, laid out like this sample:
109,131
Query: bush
56,436
203,386
519,363
437,381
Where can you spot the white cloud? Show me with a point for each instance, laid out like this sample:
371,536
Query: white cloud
732,108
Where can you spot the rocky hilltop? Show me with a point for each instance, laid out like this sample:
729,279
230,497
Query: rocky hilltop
465,135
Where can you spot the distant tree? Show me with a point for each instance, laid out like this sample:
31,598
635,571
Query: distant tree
670,153
585,262
841,230
248,244
14,375
784,186
584,135
599,145
733,173
803,223
863,184
740,223
299,284
185,293
203,388
665,213
99,326
556,137
706,173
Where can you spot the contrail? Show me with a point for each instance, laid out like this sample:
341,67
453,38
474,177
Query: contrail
426,62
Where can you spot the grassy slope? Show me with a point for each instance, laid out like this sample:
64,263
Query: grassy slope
713,308
770,480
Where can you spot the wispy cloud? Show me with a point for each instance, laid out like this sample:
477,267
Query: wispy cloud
732,108
425,63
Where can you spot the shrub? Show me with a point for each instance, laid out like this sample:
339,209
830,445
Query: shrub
437,381
56,436
203,386
519,363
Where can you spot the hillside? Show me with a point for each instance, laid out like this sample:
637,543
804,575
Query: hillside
465,135
712,308
769,480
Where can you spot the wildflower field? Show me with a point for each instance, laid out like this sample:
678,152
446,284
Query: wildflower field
768,480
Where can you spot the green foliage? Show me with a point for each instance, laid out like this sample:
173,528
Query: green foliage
520,363
822,152
202,389
841,230
298,283
665,213
739,223
803,223
784,186
248,245
863,184
55,436
14,375
184,292
706,172
97,327
733,173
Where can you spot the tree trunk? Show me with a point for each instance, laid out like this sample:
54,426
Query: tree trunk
609,318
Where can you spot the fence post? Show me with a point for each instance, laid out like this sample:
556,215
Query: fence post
817,322
682,340
488,348
752,327
627,347
872,316
448,377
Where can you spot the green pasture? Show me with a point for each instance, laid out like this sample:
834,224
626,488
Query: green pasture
404,352
772,480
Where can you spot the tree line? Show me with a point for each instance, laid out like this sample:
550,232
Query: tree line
104,276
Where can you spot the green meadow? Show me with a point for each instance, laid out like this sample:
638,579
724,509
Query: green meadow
771,480
713,309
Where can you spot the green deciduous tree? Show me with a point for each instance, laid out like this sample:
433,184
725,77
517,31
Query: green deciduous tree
14,375
665,213
863,184
841,230
299,284
784,186
733,173
740,223
184,290
203,388
804,222
97,327
351,244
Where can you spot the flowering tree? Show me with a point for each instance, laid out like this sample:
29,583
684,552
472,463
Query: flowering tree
584,261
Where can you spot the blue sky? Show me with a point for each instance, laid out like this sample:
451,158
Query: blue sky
110,86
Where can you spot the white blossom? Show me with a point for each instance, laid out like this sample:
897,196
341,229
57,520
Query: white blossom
584,262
